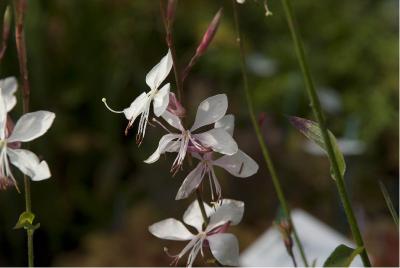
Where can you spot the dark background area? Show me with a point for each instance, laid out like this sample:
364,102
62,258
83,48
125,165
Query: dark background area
96,208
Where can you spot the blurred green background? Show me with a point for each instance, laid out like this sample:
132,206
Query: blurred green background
96,208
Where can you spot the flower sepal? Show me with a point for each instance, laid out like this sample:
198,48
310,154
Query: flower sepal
26,221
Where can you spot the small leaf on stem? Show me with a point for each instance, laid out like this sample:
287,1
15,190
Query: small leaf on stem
342,256
312,131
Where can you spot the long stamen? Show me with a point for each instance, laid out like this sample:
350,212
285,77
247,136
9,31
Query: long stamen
104,100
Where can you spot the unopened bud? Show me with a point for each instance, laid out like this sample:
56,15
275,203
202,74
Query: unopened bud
6,30
205,42
170,16
174,106
209,34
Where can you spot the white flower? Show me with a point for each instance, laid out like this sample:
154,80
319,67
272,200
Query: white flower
159,97
29,127
217,139
224,247
239,165
240,1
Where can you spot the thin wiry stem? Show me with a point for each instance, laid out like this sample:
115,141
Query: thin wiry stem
170,43
20,8
316,107
268,161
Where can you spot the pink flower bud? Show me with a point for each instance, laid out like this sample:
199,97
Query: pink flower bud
209,34
205,42
174,106
170,16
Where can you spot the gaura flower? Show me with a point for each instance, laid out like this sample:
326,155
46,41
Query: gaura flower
224,247
216,139
159,97
239,165
29,127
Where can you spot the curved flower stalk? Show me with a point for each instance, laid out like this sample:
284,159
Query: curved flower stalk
159,97
239,165
223,246
29,127
216,139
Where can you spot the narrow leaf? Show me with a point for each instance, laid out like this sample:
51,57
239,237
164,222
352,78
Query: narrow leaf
389,203
311,130
342,256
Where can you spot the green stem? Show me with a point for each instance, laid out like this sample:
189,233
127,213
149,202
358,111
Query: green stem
261,141
316,107
20,8
202,208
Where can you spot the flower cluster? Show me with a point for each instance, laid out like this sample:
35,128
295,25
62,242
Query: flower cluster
29,127
210,141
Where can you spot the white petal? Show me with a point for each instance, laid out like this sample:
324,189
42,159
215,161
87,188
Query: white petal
239,165
227,123
229,211
29,164
173,120
191,182
32,125
136,107
8,88
162,145
210,110
159,72
225,248
161,99
170,229
218,140
193,215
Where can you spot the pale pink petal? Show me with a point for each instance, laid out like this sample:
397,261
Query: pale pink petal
173,120
229,211
171,229
210,110
32,125
29,164
239,165
161,100
193,216
159,72
227,123
3,118
218,140
191,182
162,145
225,248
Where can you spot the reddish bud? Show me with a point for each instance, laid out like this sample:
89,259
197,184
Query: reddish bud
209,34
174,106
205,42
6,31
170,16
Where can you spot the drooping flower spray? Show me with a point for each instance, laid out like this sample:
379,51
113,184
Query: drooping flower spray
209,141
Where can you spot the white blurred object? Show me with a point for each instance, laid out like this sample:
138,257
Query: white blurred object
330,100
318,239
346,146
260,65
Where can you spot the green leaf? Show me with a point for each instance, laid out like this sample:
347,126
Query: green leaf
389,203
342,256
26,221
313,132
